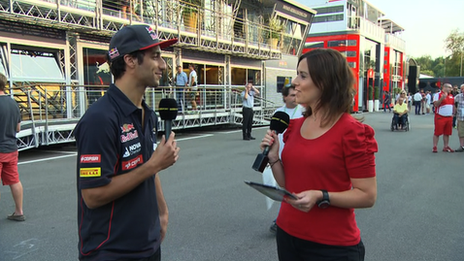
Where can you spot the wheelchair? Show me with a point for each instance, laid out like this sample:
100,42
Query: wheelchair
395,126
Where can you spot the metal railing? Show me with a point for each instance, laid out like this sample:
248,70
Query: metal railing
395,42
55,102
50,113
217,28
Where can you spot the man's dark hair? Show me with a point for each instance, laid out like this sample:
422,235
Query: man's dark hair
118,66
192,65
286,89
3,81
178,66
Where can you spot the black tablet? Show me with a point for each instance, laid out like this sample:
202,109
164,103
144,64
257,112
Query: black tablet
270,191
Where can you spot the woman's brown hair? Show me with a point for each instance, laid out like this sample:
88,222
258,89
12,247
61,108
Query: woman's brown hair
331,74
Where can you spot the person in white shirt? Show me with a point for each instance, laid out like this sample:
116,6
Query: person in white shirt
428,101
193,84
294,111
417,102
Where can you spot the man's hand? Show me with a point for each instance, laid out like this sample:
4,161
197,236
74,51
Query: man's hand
165,155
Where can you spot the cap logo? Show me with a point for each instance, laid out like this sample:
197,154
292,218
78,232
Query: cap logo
113,53
152,33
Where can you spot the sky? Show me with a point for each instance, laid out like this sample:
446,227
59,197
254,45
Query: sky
426,23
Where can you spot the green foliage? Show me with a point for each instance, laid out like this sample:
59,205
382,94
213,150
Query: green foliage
276,27
376,92
455,42
396,91
427,72
192,7
448,66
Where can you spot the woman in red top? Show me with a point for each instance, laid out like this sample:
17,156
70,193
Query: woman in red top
327,162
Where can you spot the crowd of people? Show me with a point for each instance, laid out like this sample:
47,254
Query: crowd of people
445,103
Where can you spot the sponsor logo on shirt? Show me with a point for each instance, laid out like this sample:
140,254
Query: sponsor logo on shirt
129,136
130,164
132,149
90,172
94,158
125,128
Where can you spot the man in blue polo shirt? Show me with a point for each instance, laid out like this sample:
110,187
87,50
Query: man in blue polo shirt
181,83
122,214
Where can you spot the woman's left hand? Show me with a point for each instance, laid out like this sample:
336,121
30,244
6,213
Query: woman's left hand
306,200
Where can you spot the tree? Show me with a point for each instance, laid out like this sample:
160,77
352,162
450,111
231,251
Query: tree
455,44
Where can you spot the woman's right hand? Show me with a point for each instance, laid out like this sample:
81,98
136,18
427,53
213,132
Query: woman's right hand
271,140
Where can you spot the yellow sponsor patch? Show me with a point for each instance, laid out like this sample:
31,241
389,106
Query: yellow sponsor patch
90,172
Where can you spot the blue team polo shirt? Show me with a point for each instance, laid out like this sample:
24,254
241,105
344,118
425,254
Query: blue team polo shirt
110,142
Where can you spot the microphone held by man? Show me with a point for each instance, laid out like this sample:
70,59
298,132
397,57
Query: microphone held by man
168,112
279,123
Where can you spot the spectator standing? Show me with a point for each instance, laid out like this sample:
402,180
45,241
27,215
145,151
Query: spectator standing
193,85
181,85
387,102
428,102
459,104
417,102
294,111
444,104
248,96
454,93
10,119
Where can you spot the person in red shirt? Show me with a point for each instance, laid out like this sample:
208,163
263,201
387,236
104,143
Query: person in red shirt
327,161
444,104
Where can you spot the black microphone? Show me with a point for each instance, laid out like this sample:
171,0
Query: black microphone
168,112
279,122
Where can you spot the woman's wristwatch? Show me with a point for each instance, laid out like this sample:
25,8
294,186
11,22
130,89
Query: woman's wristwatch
325,201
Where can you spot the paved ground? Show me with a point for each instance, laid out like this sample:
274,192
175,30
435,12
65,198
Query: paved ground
214,216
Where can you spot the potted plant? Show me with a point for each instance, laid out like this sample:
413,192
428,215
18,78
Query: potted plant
276,27
190,14
376,98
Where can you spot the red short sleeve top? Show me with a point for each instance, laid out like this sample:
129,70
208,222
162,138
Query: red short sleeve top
328,162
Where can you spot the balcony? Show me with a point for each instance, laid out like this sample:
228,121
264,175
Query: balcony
371,30
218,31
395,42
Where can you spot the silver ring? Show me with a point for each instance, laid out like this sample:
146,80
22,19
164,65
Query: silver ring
301,205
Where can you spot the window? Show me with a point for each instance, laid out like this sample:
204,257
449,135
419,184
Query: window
241,76
282,81
349,53
96,69
36,66
328,18
314,45
329,10
351,43
342,43
352,64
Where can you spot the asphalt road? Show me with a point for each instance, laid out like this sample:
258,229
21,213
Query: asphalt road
215,216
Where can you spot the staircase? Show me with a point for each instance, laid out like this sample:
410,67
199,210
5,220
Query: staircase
40,102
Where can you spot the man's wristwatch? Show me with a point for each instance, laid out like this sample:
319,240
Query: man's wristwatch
325,201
